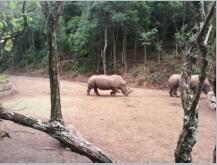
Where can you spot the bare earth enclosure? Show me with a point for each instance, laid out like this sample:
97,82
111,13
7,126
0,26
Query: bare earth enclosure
143,127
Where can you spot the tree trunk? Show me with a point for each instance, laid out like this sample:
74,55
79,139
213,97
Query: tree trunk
187,138
145,56
56,113
98,63
32,40
135,48
115,51
68,138
104,51
214,88
123,55
125,58
176,53
159,57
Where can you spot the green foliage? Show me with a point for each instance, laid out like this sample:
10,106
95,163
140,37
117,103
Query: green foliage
80,31
4,78
177,68
148,37
196,70
158,46
8,45
154,78
183,38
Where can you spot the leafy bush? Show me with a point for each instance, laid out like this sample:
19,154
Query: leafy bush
3,78
155,78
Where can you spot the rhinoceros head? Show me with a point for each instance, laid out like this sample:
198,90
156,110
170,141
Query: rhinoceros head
126,91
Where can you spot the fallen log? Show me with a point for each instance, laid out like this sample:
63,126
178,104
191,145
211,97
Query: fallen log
56,130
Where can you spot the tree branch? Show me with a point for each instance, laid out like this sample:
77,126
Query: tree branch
69,139
187,138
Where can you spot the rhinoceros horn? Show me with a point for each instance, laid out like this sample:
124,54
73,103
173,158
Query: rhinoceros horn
129,91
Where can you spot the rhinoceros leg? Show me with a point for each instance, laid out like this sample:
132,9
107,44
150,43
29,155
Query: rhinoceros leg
96,91
114,91
175,91
171,92
88,91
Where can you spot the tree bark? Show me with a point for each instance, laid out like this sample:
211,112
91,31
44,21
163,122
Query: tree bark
123,55
98,63
187,138
214,89
56,114
68,138
145,56
159,56
125,58
115,50
104,50
135,48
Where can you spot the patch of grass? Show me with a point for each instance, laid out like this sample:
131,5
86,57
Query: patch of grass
4,78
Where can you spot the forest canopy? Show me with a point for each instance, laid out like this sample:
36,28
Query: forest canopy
134,31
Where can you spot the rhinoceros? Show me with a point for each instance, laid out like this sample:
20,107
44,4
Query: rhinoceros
107,82
174,82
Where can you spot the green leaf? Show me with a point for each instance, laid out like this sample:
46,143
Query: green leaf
1,25
12,5
9,45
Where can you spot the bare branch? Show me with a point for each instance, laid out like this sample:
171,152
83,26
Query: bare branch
69,139
207,36
58,9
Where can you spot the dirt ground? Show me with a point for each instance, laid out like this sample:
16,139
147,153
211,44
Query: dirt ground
143,127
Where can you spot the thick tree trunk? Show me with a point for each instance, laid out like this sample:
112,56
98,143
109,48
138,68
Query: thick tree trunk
56,113
104,51
69,139
187,138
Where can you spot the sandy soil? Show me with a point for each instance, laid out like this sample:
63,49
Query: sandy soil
143,127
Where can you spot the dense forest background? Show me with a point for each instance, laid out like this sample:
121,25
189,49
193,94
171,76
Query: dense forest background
144,38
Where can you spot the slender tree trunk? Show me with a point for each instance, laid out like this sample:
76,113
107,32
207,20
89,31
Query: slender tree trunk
104,51
187,138
123,55
145,56
125,59
123,49
98,63
114,51
135,48
176,50
214,89
159,56
32,39
56,114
